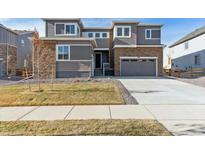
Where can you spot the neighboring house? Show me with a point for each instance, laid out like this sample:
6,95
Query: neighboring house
125,49
24,49
8,51
15,50
189,52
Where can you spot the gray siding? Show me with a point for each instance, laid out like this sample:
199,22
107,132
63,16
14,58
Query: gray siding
7,37
188,61
128,41
24,51
50,27
73,65
103,43
79,64
80,53
66,69
141,36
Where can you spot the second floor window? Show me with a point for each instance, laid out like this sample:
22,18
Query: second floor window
97,35
123,31
90,34
104,35
152,34
63,52
66,29
70,29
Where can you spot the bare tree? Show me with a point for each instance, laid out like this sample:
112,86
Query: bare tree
44,66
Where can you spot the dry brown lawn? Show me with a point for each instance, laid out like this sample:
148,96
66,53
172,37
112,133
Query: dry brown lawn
84,127
82,93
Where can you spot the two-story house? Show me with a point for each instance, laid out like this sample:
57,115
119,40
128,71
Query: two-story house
124,49
8,51
15,49
189,51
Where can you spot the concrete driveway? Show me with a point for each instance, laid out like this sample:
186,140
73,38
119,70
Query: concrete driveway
179,106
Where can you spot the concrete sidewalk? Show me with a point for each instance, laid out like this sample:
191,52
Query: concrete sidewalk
74,112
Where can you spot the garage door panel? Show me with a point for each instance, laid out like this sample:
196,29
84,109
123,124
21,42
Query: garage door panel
138,67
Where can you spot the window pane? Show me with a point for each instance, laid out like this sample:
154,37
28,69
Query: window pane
155,33
60,56
126,31
66,56
119,31
70,29
90,34
148,34
197,60
104,35
97,35
59,28
60,49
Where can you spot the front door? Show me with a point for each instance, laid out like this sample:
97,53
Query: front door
98,60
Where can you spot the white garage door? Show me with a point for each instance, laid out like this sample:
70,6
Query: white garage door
138,67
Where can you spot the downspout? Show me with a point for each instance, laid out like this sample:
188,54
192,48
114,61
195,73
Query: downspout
7,70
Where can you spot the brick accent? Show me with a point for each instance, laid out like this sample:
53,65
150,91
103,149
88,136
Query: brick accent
138,52
45,59
8,53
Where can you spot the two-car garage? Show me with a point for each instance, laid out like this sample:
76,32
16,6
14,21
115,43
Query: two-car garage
138,66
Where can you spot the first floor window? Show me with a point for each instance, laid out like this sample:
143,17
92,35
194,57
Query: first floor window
197,60
63,52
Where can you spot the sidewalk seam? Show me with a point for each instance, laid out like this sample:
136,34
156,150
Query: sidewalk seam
68,113
150,112
28,113
110,112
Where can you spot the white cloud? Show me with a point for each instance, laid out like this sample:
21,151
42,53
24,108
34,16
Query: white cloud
24,24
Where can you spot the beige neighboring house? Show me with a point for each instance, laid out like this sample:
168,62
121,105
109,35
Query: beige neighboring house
127,48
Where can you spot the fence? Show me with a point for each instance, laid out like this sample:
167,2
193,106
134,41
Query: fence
194,72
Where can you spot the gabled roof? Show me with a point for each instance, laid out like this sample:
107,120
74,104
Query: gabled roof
148,24
190,36
20,32
68,19
8,29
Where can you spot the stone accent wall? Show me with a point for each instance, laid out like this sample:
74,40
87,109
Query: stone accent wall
138,52
8,53
45,59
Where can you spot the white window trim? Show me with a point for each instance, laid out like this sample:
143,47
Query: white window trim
123,28
58,45
150,34
65,24
101,35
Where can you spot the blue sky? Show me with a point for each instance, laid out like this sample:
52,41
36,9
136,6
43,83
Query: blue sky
173,29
